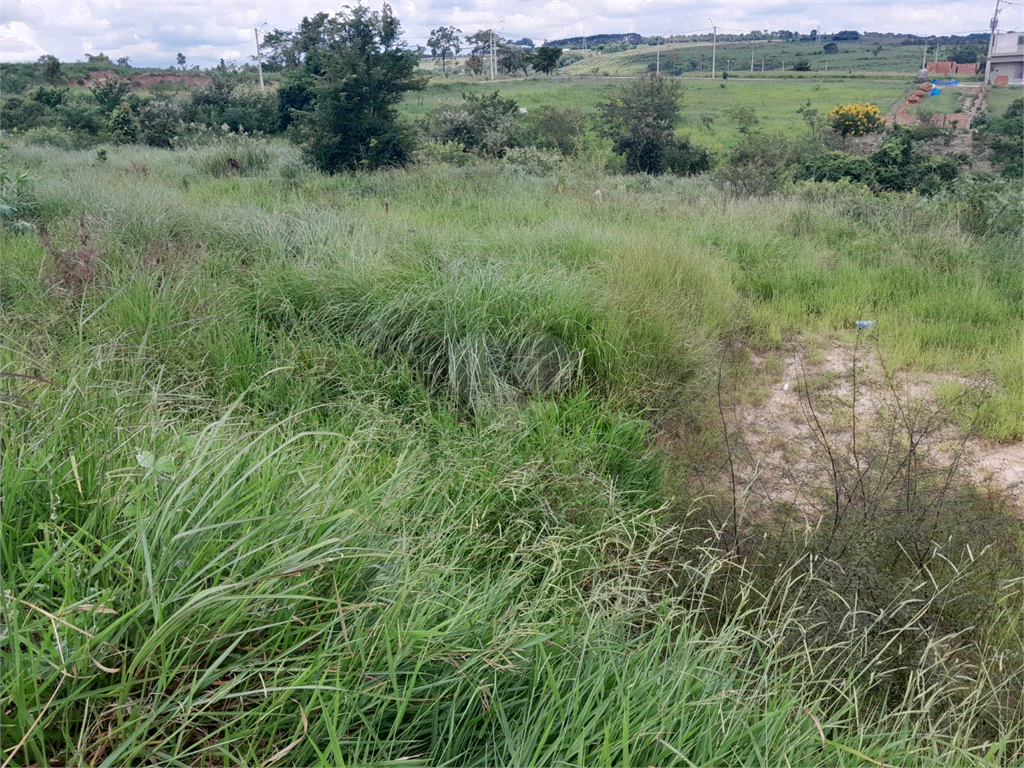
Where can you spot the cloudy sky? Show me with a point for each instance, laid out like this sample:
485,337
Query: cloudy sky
152,32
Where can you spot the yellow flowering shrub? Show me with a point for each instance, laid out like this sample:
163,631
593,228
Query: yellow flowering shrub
856,119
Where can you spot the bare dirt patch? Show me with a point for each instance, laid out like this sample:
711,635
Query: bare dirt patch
809,407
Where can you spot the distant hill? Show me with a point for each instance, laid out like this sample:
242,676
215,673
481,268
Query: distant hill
593,40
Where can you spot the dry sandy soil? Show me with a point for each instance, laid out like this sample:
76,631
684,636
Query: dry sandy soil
811,403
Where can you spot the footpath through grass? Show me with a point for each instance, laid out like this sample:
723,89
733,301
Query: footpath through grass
306,470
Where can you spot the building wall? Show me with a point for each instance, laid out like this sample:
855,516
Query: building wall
1014,70
1008,42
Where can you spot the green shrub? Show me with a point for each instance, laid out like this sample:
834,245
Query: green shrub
46,136
532,160
558,128
834,166
21,113
110,92
123,126
251,109
483,123
159,124
759,165
51,97
77,116
15,78
445,153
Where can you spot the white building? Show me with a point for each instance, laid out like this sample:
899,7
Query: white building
1007,59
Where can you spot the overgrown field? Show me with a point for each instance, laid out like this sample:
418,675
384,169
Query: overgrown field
774,103
358,469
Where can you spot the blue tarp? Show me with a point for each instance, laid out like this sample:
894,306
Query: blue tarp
949,81
935,92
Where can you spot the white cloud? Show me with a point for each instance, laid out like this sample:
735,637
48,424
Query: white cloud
207,30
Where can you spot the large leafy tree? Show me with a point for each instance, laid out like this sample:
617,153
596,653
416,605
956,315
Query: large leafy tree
444,43
545,59
512,59
341,101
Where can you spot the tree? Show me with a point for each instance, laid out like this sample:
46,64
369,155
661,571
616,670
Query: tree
99,58
802,65
181,60
512,59
444,42
51,69
814,119
481,42
639,118
830,48
475,65
545,59
110,92
124,61
876,50
354,75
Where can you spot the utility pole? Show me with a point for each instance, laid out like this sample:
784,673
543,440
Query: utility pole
991,43
259,60
657,58
762,63
492,55
714,46
751,58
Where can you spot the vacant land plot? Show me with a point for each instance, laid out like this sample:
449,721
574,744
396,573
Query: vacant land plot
406,466
773,103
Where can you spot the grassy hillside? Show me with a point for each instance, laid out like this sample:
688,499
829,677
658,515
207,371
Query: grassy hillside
853,57
311,470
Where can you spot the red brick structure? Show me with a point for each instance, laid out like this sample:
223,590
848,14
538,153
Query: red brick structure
951,68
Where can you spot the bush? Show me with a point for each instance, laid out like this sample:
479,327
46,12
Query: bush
856,119
123,126
484,124
46,136
22,114
76,116
252,110
901,167
51,97
985,206
110,93
758,166
159,124
448,153
532,161
559,128
835,166
1006,140
639,119
15,78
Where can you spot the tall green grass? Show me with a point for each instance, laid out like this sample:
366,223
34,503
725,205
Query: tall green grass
294,477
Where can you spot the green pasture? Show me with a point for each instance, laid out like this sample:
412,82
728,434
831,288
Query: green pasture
774,102
854,58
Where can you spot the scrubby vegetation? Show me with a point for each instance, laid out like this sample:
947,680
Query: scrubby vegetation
364,467
310,464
